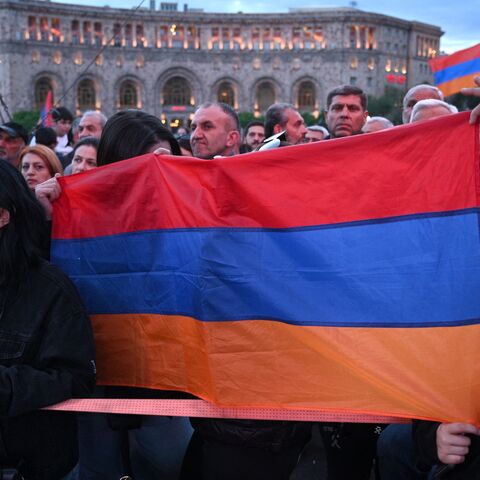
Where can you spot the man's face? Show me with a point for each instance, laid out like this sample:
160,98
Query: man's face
62,127
313,136
10,147
416,96
295,129
89,127
345,115
213,133
255,136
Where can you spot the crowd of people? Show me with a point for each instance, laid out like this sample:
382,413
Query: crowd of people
47,345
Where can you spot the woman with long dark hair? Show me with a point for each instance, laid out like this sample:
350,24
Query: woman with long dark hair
46,342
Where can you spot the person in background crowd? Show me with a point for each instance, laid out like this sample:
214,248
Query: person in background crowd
414,95
431,108
47,342
254,134
46,136
13,137
38,164
316,133
91,124
62,122
181,131
346,111
375,124
185,146
283,116
74,130
85,155
215,131
143,447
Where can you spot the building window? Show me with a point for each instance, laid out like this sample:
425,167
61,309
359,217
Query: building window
265,96
354,63
176,92
99,60
296,38
277,39
178,36
237,39
128,40
226,94
32,29
256,38
140,36
87,33
42,87
117,35
306,96
128,95
98,34
86,97
353,80
35,56
369,81
215,39
55,30
44,29
119,61
75,32
191,37
371,63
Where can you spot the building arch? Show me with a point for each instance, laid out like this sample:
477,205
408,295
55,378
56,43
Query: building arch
129,93
42,84
305,94
177,94
266,92
177,91
226,90
87,94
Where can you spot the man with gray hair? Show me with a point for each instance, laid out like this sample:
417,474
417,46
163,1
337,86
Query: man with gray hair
431,108
284,116
316,133
91,124
374,124
415,94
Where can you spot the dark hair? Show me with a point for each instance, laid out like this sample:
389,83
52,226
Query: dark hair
45,136
225,108
347,90
23,239
131,133
87,141
276,116
61,113
254,123
184,142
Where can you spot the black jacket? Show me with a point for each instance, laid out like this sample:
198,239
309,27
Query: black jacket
46,356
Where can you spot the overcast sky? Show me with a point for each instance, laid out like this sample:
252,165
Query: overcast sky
460,21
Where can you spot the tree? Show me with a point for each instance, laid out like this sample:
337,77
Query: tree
388,105
28,119
247,117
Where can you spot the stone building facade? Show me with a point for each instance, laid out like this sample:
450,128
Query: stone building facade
167,62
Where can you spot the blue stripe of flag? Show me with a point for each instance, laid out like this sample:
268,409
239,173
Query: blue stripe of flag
414,271
457,71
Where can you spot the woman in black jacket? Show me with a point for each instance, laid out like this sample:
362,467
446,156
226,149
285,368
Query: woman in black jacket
46,342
